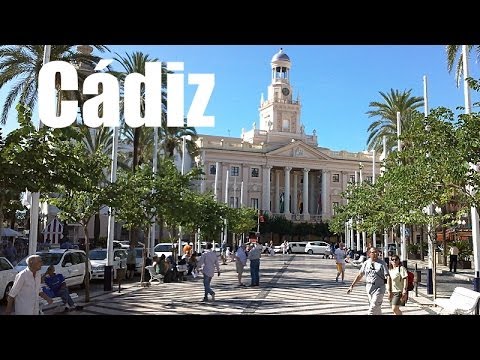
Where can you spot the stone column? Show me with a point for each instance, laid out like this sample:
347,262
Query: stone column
277,191
294,193
266,188
306,215
311,192
287,192
325,194
246,171
218,182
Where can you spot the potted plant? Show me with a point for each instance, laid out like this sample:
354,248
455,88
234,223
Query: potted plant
413,251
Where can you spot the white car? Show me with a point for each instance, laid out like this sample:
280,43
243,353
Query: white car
98,259
7,276
163,249
68,262
318,247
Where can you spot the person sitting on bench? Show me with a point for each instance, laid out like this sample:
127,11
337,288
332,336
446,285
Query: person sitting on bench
58,288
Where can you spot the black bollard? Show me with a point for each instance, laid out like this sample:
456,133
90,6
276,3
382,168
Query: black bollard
108,278
429,281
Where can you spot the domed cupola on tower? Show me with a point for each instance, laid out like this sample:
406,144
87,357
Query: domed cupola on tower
280,67
280,113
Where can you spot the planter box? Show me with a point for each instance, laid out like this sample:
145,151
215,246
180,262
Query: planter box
464,264
414,256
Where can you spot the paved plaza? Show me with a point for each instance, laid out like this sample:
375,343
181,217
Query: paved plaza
294,285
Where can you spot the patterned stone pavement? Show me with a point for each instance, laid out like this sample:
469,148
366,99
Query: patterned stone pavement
296,285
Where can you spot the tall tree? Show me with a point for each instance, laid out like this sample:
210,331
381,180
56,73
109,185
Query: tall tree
386,114
135,63
454,54
21,64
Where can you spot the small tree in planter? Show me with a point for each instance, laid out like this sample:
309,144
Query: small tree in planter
465,250
413,251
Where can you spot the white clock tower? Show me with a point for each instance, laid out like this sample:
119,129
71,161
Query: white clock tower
279,113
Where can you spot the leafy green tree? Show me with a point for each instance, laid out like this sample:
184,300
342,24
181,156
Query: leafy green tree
79,201
204,214
241,220
385,113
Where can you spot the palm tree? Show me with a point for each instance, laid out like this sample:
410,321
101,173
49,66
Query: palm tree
172,139
135,63
22,64
386,114
454,52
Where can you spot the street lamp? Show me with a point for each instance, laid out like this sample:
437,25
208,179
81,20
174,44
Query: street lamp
180,235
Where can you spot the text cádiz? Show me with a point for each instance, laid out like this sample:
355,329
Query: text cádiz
109,98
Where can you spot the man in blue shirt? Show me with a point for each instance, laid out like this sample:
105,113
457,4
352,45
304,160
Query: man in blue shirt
57,287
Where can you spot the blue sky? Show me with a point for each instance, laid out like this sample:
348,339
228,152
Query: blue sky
335,82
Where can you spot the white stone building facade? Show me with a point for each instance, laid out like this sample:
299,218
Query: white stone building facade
280,168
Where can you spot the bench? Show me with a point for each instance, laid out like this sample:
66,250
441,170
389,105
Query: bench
153,275
57,301
463,301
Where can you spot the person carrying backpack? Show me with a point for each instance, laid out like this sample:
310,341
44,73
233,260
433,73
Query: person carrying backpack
397,284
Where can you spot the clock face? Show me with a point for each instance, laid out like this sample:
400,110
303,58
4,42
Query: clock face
285,91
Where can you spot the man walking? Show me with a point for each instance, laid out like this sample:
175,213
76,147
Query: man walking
340,255
240,262
26,289
209,261
254,256
376,272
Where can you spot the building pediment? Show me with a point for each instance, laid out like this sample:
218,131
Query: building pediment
298,149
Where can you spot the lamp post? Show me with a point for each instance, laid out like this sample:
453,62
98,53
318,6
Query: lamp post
180,235
473,209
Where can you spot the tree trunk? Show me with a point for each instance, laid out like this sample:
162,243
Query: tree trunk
87,267
421,242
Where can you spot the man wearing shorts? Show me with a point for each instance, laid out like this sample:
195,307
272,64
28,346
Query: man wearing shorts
240,262
340,255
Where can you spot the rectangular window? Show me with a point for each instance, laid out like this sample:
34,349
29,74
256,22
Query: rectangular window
255,172
336,177
213,169
334,205
233,202
254,203
352,179
235,171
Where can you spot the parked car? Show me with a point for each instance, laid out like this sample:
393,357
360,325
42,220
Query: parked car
318,247
163,249
68,262
298,247
98,259
139,259
7,276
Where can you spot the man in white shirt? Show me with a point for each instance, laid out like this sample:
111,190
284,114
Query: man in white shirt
453,258
209,261
26,289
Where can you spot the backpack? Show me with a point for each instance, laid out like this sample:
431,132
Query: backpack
410,280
